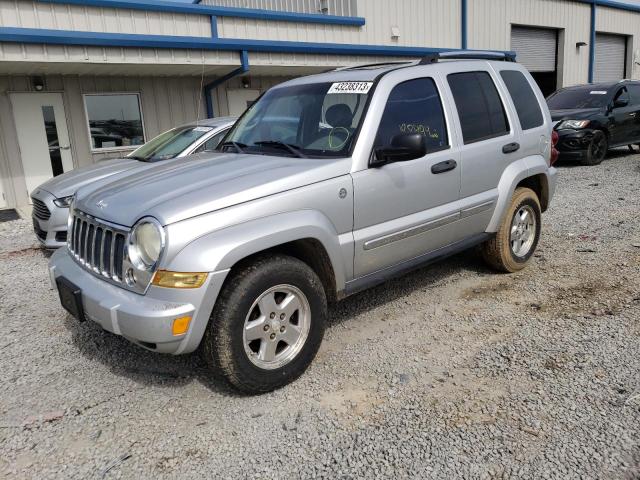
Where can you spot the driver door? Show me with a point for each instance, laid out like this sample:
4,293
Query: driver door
404,209
623,119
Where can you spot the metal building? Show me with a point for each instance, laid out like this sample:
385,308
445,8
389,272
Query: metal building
84,80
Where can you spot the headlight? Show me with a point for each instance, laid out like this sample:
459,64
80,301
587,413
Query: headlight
146,242
63,202
574,124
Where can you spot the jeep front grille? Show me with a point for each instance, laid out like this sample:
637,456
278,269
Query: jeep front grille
98,246
40,209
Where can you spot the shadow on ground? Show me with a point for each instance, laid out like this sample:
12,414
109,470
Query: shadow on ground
144,367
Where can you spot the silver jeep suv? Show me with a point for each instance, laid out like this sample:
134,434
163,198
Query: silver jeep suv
327,185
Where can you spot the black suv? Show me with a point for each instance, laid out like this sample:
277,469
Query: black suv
595,117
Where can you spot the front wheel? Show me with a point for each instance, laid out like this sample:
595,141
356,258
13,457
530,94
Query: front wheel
267,324
513,245
597,149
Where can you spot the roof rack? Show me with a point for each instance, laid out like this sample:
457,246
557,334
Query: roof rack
469,55
368,65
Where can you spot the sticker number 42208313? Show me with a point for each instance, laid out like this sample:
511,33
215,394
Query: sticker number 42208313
350,87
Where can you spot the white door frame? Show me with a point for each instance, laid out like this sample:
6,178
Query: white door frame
3,194
34,147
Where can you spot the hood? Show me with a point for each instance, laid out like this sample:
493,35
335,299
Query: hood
574,113
173,191
68,183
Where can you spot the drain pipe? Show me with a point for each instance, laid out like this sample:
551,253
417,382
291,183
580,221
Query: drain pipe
243,68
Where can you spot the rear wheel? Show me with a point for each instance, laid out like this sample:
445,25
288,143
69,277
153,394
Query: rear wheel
597,149
513,245
267,324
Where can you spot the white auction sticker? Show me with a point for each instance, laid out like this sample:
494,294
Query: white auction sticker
350,87
598,92
202,129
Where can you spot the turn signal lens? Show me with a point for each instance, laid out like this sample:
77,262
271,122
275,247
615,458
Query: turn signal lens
180,325
164,278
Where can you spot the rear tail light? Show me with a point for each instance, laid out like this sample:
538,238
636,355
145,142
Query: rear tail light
554,152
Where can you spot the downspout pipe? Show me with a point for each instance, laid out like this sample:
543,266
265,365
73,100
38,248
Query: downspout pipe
463,24
592,41
243,68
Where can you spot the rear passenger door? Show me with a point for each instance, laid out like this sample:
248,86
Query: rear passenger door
490,143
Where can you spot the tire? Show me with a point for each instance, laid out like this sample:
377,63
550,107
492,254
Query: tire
597,149
506,253
262,364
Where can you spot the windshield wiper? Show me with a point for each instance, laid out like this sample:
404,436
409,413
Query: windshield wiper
292,148
137,157
238,146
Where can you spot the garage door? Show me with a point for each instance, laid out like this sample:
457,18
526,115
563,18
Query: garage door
535,48
610,57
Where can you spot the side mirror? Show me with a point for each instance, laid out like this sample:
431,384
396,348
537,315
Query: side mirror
620,102
408,146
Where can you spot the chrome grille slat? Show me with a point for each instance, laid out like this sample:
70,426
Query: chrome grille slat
113,258
98,246
40,209
90,235
83,240
101,259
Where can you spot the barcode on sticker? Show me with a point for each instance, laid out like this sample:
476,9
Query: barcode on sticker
350,87
598,92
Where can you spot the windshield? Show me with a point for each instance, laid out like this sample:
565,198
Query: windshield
316,120
588,97
169,144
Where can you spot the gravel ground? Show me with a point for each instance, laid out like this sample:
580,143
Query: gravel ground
450,372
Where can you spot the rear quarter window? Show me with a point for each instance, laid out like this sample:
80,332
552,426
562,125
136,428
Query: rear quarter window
524,99
482,115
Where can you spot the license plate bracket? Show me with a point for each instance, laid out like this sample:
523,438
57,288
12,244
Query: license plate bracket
71,298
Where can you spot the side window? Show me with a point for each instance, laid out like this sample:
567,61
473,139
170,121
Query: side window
621,95
523,98
211,144
480,109
414,106
634,91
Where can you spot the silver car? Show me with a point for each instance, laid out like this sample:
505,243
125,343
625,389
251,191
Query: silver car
327,185
51,199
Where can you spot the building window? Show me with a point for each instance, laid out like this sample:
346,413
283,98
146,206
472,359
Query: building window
115,120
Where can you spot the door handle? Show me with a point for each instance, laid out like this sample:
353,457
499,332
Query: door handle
442,167
511,147
632,114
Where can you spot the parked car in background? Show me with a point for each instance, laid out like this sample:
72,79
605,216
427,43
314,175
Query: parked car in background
51,199
389,167
592,118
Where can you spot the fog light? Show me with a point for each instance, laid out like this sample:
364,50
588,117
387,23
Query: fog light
180,325
164,278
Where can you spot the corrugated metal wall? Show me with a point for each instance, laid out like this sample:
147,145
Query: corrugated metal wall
490,26
166,102
29,14
609,20
345,8
417,25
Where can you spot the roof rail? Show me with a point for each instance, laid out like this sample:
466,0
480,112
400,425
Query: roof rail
468,55
368,65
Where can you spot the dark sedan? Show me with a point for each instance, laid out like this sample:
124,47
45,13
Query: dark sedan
593,118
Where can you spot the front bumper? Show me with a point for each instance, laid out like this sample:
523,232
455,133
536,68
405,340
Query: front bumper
143,319
51,232
574,143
